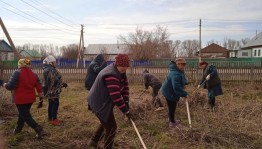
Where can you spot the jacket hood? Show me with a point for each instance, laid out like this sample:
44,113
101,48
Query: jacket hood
99,59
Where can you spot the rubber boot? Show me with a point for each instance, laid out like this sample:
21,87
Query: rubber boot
39,132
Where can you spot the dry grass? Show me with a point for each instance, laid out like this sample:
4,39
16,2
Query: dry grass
237,122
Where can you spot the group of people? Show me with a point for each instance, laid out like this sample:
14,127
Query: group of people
107,87
23,84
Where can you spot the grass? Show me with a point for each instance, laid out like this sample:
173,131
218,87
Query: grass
237,122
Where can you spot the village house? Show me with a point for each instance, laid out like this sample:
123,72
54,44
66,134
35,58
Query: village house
214,51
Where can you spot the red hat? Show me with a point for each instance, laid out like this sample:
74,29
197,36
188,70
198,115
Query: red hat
202,63
122,60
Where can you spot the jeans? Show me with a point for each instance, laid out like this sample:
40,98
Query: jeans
171,110
110,131
53,105
211,99
25,116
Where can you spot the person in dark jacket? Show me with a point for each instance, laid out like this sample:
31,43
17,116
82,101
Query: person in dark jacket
24,82
155,84
94,68
109,89
174,87
52,87
212,83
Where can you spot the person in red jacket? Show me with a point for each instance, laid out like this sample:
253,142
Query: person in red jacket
23,83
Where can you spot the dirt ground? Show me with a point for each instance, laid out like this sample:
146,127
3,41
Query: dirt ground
2,140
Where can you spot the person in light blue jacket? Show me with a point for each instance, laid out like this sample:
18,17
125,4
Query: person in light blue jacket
174,87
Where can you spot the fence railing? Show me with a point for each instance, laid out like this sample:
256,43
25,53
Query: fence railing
229,72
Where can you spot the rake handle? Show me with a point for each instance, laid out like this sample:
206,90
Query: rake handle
188,113
139,136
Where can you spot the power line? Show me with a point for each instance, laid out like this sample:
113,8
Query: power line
227,20
41,22
43,6
47,14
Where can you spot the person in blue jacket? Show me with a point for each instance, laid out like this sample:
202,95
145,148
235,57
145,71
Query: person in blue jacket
174,87
212,83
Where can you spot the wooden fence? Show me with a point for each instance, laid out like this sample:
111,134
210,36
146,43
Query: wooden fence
227,75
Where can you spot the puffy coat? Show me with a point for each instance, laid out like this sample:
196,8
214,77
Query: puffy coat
174,85
24,82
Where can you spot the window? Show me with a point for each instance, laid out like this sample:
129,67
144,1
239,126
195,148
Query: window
255,52
258,54
244,53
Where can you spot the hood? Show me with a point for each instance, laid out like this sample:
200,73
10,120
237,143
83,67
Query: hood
99,59
173,67
145,72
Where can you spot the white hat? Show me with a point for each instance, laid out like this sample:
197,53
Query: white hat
49,59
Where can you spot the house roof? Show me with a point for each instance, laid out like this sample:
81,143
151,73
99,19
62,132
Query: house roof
213,48
30,53
106,48
254,42
4,46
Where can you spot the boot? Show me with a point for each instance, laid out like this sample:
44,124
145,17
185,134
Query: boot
39,132
92,144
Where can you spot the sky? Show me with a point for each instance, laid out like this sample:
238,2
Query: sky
58,21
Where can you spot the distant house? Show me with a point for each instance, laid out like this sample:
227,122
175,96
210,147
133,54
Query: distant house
31,54
7,53
254,47
214,51
108,50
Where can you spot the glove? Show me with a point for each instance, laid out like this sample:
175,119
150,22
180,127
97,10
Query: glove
64,85
208,77
129,115
40,103
198,86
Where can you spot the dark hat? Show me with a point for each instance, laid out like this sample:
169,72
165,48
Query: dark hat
202,63
122,60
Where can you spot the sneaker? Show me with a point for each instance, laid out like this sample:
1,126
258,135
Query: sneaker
55,122
159,109
174,125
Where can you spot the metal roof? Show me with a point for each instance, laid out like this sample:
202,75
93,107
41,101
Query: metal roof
254,42
30,53
106,48
4,46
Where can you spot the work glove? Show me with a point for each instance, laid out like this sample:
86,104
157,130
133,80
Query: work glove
129,115
64,85
208,77
198,86
40,103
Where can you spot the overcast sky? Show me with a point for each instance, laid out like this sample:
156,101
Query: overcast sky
58,21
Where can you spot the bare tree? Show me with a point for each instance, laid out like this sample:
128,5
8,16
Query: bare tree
189,47
70,51
144,45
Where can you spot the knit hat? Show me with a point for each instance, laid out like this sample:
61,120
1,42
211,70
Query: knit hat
179,61
49,59
202,63
122,60
24,63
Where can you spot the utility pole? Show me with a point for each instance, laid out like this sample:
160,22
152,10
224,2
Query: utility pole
199,41
16,55
81,45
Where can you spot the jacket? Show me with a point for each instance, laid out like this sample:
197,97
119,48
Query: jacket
52,82
24,82
151,80
214,78
94,68
173,86
101,100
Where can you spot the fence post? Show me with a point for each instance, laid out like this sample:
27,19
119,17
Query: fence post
252,73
